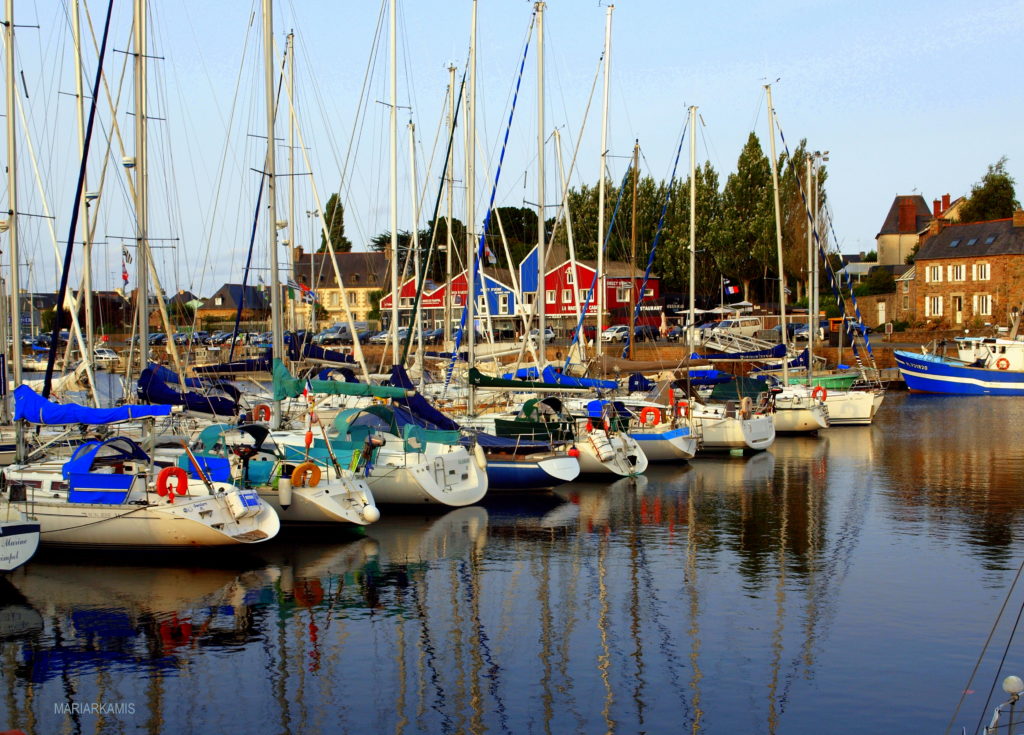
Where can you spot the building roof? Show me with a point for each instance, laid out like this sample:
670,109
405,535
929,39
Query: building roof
909,274
358,270
974,240
231,295
922,215
182,297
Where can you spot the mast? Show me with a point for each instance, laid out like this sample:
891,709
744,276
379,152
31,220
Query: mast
290,53
632,256
12,216
600,181
812,314
141,185
277,349
90,330
451,185
394,180
541,251
415,247
470,216
692,333
778,234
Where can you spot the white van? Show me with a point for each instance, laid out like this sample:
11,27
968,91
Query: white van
740,326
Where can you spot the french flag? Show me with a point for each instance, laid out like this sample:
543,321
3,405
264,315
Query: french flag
732,290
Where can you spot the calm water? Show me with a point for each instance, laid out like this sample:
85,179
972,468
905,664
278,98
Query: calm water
844,584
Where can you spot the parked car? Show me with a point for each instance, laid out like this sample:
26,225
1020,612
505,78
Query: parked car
549,334
645,333
158,338
433,337
104,357
741,326
616,333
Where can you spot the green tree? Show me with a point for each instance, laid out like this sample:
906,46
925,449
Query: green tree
991,198
334,219
748,227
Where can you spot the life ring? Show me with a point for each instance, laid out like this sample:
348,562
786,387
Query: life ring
683,410
746,407
261,412
300,473
1003,364
819,392
650,416
590,425
180,486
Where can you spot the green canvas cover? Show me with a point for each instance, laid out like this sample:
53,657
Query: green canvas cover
285,386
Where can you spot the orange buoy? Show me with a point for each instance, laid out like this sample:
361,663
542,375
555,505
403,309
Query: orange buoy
302,471
180,486
261,412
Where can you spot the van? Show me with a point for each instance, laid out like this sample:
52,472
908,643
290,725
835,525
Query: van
741,326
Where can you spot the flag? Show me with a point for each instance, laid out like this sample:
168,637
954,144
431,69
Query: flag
307,389
124,274
732,290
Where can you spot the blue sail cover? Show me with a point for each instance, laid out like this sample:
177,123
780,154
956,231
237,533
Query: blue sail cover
32,407
776,351
169,376
316,352
251,365
155,390
555,377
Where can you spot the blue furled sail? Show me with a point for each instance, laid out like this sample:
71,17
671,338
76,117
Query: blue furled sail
169,376
32,407
154,390
773,353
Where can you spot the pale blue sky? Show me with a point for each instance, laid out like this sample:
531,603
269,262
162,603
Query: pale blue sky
907,97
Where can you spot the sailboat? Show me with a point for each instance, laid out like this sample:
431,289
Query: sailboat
19,539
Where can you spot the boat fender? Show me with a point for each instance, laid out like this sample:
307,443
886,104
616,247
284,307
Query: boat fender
1003,364
261,412
819,392
304,470
180,485
650,416
746,407
480,456
284,492
371,514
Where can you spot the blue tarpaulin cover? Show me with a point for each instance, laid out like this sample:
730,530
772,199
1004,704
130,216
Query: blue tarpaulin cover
32,407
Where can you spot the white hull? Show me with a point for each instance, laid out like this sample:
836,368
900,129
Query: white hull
664,443
610,454
19,539
853,408
331,501
798,411
719,432
193,520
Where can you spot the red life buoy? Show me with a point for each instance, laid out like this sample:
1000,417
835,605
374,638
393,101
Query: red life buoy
308,592
180,485
590,425
1003,364
819,392
683,409
261,412
650,416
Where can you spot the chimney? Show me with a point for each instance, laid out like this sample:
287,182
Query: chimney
907,215
1018,218
945,202
297,252
936,208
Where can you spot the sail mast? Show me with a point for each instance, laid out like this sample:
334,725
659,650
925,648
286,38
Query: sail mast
269,169
632,256
418,326
141,193
394,180
451,184
691,333
12,215
90,330
778,234
470,216
600,181
541,250
290,54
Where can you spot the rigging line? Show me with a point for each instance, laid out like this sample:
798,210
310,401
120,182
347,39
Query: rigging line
639,298
62,291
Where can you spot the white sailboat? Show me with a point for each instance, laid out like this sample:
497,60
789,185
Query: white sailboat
19,539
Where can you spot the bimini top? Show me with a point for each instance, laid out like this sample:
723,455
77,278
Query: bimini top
95,454
32,407
210,436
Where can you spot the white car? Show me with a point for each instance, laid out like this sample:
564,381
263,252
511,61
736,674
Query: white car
104,357
618,333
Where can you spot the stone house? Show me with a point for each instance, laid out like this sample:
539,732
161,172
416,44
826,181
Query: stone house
223,305
362,274
969,275
907,222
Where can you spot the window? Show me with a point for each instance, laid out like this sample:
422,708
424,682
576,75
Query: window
405,302
353,298
355,278
906,303
954,243
972,241
982,304
549,296
648,293
460,299
503,303
528,297
336,298
622,294
981,272
481,304
567,296
990,239
569,277
934,274
933,306
956,273
219,301
906,287
583,295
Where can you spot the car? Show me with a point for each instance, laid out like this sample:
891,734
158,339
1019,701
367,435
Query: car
158,338
549,334
616,333
433,337
330,336
380,338
741,326
645,333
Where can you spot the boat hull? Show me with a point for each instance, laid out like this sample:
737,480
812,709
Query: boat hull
328,502
19,540
616,454
720,433
528,473
853,408
936,374
666,445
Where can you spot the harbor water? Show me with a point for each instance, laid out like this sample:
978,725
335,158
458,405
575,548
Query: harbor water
842,584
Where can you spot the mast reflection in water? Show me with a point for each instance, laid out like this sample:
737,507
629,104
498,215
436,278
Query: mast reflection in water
838,584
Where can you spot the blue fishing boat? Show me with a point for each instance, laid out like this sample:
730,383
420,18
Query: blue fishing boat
983,366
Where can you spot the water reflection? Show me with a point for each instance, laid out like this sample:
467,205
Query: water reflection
727,594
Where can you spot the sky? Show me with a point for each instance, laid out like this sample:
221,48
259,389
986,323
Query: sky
907,98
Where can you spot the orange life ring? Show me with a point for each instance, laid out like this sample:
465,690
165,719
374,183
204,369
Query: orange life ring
261,412
819,392
308,592
300,473
180,486
683,410
652,413
1003,364
590,425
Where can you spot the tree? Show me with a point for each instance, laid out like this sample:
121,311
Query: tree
991,198
748,231
334,219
